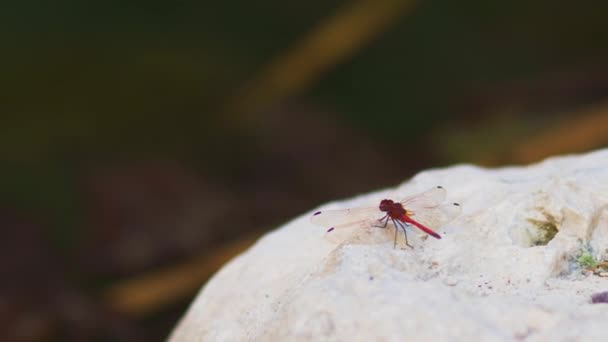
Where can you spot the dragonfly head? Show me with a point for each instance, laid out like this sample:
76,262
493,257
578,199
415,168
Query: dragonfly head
386,204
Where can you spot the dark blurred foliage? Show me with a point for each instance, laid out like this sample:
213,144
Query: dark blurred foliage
119,155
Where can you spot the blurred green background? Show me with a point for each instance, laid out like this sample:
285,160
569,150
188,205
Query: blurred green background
145,143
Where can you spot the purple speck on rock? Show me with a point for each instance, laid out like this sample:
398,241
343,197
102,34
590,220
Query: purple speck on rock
330,229
600,297
317,213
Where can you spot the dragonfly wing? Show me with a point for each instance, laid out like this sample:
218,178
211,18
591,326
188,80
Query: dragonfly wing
367,232
345,218
363,225
425,200
367,236
435,218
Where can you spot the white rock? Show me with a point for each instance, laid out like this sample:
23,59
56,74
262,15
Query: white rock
491,277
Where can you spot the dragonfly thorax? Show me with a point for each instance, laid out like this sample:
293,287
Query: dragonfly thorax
393,209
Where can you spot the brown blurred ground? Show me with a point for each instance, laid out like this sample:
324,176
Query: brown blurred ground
145,144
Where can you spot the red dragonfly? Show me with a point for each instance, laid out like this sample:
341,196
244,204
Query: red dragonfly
425,211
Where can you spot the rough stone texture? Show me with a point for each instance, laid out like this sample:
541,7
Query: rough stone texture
498,274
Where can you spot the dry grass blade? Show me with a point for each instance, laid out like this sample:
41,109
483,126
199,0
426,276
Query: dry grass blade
331,42
151,292
585,130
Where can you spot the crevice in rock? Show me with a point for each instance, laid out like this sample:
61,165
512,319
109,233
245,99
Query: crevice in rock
546,229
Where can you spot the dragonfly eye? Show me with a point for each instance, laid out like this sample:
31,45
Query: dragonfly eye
385,205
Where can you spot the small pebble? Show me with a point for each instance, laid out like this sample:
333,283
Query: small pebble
603,274
601,297
450,281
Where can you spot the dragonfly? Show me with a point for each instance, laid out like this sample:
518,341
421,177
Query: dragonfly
425,211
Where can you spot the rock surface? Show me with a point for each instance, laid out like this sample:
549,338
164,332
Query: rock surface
506,268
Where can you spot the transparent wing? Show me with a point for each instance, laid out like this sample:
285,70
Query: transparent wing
425,200
435,218
367,236
346,218
366,221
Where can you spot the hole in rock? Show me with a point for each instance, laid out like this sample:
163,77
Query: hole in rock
546,231
537,231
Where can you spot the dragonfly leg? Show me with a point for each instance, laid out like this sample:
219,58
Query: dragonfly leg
385,221
402,225
396,230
